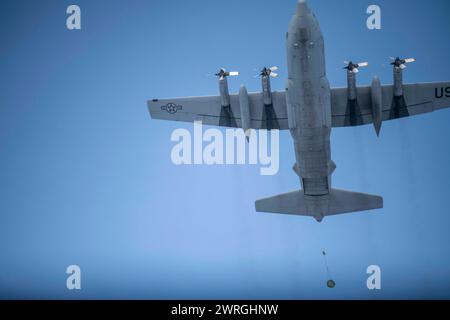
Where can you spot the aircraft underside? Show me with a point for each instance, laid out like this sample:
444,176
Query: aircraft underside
309,108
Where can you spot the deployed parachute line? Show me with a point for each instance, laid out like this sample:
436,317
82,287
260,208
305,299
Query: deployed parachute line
330,283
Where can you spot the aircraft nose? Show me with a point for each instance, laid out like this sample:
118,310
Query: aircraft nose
302,8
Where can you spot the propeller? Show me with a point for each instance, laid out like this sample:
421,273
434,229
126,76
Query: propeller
401,63
268,72
354,67
223,73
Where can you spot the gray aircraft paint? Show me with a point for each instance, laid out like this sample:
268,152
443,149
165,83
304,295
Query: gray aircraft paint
310,109
309,103
308,98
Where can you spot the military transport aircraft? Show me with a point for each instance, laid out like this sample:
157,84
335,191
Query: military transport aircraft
309,108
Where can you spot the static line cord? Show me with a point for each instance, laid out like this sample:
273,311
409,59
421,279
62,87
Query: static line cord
326,264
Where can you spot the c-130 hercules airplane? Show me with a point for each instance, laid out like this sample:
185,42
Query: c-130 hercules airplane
309,109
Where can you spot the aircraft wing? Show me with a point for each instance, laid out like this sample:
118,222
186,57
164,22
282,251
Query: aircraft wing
417,99
210,112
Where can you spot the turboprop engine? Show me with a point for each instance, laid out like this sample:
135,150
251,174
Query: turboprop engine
398,66
223,86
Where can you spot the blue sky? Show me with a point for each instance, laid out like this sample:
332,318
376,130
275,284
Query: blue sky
86,176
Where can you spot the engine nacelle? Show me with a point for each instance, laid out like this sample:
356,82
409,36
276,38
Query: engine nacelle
267,91
351,85
398,82
399,65
224,93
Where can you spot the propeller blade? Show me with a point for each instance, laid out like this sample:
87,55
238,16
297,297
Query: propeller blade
402,66
274,68
234,73
363,64
355,70
273,74
410,60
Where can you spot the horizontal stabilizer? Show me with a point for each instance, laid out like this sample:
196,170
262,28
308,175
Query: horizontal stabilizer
318,207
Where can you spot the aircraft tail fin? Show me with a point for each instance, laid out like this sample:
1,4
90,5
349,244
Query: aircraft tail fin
318,207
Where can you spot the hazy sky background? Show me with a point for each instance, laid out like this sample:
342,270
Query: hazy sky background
86,176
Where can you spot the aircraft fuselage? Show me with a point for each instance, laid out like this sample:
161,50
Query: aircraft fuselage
308,102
